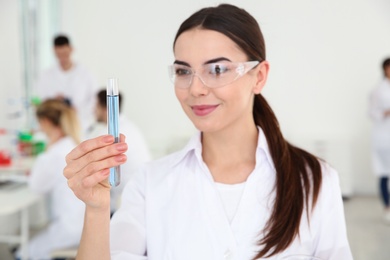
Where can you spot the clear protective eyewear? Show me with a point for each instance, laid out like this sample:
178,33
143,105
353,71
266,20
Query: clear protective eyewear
213,75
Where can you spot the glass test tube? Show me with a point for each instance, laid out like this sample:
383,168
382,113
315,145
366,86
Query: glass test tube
113,125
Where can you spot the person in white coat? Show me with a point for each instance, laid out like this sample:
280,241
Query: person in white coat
137,152
68,80
379,111
60,124
238,190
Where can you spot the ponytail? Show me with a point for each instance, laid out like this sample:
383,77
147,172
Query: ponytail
298,175
70,124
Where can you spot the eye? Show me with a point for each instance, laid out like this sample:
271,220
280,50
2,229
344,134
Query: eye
218,69
182,71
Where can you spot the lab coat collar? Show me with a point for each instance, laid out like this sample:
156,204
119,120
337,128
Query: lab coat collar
75,65
194,146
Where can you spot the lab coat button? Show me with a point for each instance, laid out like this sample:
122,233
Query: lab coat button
228,255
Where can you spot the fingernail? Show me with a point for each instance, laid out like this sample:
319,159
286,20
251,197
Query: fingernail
120,158
121,147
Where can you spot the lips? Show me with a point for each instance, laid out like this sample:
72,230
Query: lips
203,110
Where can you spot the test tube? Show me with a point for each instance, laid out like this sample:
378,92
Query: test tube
113,125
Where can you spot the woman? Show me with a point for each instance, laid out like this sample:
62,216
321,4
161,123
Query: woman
238,190
380,115
59,122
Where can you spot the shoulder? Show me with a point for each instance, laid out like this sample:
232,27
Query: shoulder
152,175
329,177
54,156
61,148
383,85
164,169
170,168
329,174
128,126
165,164
81,70
330,191
49,72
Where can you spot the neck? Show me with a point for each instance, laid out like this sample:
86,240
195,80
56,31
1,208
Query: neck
66,66
231,154
54,135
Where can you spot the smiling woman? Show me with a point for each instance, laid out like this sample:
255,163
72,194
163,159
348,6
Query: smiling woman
238,190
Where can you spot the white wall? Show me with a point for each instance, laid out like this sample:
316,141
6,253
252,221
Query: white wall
325,58
11,74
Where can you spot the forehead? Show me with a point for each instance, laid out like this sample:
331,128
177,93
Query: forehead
62,48
199,45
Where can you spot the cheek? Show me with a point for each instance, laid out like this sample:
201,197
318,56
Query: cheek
234,95
181,95
237,100
64,56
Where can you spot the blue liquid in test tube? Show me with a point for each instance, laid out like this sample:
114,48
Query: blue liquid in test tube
113,125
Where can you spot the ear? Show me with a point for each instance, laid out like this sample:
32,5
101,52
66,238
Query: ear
45,123
261,76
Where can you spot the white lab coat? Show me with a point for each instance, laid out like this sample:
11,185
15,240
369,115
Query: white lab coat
137,153
379,102
66,211
172,210
77,84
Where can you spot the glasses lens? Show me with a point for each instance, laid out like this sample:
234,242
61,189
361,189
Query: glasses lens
218,74
212,75
180,75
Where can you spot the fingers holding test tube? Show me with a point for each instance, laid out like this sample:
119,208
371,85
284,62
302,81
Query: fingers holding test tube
87,168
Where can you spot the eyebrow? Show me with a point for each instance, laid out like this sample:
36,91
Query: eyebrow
207,62
181,63
217,60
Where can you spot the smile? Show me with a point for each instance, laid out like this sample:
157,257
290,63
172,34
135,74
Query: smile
203,110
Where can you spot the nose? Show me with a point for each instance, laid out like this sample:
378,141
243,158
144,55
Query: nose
197,86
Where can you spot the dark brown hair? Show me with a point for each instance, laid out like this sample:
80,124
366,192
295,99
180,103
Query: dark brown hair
385,64
61,40
102,99
298,173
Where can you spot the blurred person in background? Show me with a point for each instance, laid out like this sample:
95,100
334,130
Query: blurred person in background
60,124
380,114
69,81
138,152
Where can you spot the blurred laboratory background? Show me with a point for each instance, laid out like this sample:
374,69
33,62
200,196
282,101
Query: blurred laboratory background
325,59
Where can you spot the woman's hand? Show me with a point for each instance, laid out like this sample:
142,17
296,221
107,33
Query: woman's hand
88,167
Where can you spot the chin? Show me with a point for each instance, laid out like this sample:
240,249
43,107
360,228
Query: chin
207,127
